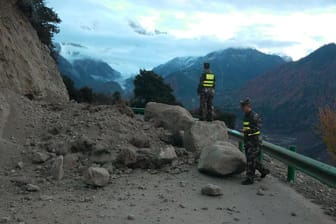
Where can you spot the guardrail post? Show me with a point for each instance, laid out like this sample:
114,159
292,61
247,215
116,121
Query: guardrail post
261,156
291,170
241,146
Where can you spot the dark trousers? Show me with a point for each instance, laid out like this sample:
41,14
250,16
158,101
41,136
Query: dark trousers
252,152
206,104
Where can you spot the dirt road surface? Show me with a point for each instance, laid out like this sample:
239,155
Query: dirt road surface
141,197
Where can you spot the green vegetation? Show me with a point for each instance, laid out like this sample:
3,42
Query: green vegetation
87,95
42,18
327,127
150,87
228,118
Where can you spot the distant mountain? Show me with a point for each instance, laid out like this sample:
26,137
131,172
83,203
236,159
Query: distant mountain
92,73
233,68
289,97
96,69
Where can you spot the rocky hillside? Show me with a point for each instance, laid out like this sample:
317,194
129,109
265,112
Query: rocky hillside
233,67
289,97
26,66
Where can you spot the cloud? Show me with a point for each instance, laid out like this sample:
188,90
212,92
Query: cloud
142,31
132,34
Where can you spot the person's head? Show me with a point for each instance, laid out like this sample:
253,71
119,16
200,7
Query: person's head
246,105
206,65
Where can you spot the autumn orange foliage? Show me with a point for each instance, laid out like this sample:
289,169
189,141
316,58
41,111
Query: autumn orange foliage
327,128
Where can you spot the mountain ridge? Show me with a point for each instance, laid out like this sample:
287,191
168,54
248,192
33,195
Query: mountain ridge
232,66
290,96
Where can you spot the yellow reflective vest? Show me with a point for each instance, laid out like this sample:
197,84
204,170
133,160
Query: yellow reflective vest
209,80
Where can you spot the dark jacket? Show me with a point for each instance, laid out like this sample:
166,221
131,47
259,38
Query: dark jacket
252,124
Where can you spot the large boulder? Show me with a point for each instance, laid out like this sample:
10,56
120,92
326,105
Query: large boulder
221,159
172,118
96,176
202,134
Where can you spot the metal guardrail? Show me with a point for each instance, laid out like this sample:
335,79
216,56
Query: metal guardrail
318,170
137,110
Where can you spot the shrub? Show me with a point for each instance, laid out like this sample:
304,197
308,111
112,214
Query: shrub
327,128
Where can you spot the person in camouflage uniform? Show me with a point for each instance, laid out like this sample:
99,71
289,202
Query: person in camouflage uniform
206,90
252,143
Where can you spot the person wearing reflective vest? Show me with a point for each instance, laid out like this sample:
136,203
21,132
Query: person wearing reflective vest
252,142
206,91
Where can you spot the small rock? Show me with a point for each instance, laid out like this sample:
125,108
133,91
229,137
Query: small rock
183,184
96,176
261,192
39,157
32,188
46,198
212,190
57,171
181,206
20,165
131,217
167,154
140,141
293,214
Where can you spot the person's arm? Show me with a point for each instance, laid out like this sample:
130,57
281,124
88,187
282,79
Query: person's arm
200,85
257,120
214,81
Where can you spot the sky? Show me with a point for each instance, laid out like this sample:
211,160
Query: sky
134,34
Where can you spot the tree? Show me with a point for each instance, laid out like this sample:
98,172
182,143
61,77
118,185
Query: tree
228,118
150,87
327,127
70,85
85,95
43,19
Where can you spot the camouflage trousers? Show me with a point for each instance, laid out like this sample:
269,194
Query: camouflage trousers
206,104
252,152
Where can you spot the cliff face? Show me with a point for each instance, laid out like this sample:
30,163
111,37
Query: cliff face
26,66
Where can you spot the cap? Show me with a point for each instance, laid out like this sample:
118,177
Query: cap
245,102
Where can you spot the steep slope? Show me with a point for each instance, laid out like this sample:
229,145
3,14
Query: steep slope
25,63
290,96
233,68
88,72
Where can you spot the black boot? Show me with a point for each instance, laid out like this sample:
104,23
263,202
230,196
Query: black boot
265,173
247,181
